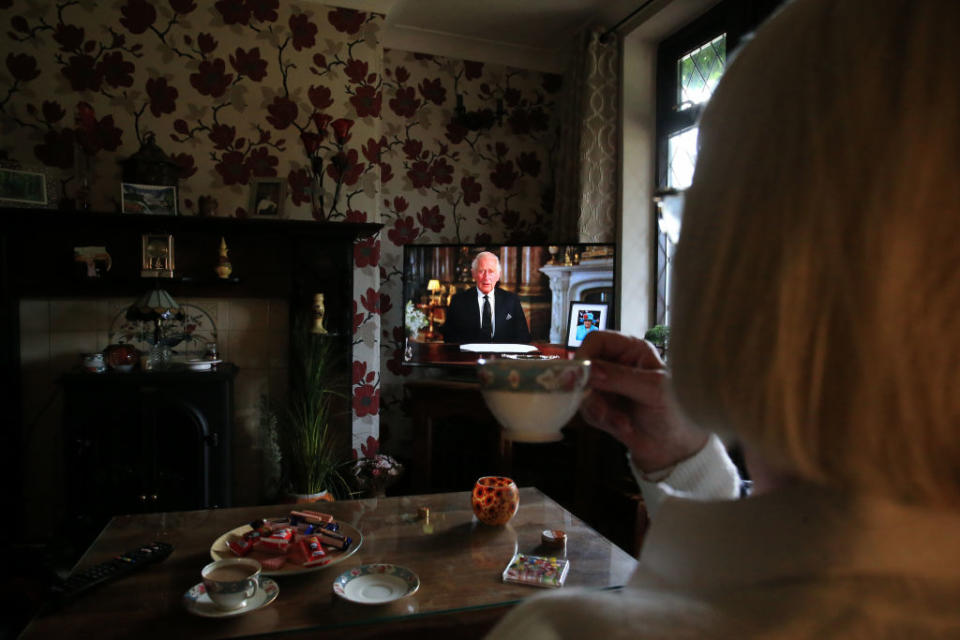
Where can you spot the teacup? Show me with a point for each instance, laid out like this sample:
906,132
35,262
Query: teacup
533,399
230,582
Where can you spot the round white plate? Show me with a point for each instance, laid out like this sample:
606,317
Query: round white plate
220,551
199,603
376,583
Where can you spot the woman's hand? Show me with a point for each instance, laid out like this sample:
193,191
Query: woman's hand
630,400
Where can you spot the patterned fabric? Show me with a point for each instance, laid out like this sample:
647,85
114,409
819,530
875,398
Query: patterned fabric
587,167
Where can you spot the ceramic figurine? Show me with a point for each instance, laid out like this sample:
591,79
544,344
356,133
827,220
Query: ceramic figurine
318,311
224,268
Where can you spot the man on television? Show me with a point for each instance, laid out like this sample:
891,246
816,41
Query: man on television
486,313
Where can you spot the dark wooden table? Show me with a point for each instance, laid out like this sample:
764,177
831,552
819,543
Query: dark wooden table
459,562
449,356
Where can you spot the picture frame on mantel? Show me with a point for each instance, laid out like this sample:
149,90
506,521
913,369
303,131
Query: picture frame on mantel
584,318
148,199
266,198
23,187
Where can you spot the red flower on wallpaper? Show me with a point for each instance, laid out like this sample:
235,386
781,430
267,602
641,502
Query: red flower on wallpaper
94,135
207,43
366,253
441,171
404,231
186,163
472,69
400,204
116,71
320,96
138,15
283,112
359,371
371,150
163,97
483,238
366,401
529,164
431,218
413,148
264,10
366,101
304,32
211,78
341,129
261,163
357,318
356,70
405,103
371,300
503,177
233,169
347,165
299,182
183,7
56,150
249,64
347,20
456,132
386,173
352,215
385,304
52,111
82,72
433,91
222,136
234,11
68,37
22,66
402,74
419,174
471,190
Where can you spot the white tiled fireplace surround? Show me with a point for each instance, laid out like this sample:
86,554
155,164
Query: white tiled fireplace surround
251,333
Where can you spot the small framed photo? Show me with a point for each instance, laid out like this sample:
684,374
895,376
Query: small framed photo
584,318
23,187
148,199
266,198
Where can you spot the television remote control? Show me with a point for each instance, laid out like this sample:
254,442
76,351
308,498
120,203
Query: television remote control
91,578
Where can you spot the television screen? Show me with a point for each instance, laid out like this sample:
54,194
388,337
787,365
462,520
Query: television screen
553,283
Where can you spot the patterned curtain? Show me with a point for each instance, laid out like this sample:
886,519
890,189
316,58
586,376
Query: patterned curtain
586,185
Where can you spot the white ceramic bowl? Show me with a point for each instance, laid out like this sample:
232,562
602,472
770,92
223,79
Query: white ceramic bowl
533,399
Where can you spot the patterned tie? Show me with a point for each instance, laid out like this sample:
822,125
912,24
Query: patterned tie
486,320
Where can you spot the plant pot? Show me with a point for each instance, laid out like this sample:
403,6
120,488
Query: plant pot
307,498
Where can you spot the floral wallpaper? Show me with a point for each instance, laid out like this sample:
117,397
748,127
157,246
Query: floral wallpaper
444,182
232,91
240,90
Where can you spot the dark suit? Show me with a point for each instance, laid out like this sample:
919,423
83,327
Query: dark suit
463,318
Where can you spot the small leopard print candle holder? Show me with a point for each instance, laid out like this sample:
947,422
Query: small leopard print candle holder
495,500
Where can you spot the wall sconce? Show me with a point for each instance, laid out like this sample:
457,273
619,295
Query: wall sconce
477,120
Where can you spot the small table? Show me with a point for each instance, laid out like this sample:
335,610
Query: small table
459,562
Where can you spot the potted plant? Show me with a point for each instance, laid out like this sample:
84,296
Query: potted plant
659,336
309,466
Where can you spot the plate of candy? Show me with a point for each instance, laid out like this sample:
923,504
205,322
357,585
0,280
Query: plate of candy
301,542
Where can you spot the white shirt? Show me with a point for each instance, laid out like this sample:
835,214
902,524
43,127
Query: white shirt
799,562
493,307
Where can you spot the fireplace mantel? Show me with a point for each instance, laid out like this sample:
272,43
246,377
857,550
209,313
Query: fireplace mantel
568,283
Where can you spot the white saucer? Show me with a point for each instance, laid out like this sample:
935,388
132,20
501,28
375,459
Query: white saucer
376,584
199,603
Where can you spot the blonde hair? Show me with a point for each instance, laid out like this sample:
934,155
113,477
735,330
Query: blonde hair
817,278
